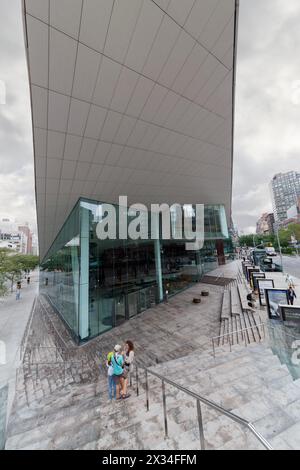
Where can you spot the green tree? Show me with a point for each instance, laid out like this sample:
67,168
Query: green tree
12,265
14,269
3,268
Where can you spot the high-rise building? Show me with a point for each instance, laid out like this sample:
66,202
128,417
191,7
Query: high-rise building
130,98
285,190
265,225
293,214
26,230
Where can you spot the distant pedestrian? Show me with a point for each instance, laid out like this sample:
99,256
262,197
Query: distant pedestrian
291,295
28,280
18,291
290,281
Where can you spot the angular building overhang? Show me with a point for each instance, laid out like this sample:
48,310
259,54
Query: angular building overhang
130,97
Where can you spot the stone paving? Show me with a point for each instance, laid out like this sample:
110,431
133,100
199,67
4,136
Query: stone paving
168,331
68,409
14,316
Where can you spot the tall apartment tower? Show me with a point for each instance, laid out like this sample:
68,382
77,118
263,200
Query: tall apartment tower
285,190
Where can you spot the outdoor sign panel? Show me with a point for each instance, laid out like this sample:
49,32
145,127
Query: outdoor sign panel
250,271
262,285
247,263
290,313
274,298
248,266
256,276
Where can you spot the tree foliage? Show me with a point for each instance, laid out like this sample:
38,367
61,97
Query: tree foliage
12,265
285,237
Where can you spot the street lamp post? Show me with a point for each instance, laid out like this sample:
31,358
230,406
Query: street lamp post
295,243
279,246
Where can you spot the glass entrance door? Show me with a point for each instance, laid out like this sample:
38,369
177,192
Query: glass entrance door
120,310
132,304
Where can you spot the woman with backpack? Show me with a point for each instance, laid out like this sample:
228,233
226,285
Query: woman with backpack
117,363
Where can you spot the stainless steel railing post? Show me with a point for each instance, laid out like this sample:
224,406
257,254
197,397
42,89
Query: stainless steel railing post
165,407
206,402
200,424
147,389
137,381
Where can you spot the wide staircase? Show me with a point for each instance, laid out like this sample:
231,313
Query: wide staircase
190,395
239,324
249,382
220,280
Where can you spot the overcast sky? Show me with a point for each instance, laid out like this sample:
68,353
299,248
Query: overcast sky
267,136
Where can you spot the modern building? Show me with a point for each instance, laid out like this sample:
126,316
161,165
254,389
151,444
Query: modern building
285,190
265,225
27,232
293,214
14,236
134,98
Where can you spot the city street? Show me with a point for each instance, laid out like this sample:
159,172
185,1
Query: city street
291,265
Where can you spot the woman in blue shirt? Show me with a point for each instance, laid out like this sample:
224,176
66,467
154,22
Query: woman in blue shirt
117,362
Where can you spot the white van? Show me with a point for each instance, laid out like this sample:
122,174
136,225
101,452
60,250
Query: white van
270,250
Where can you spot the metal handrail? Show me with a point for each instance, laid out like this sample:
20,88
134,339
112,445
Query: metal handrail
199,399
262,324
42,365
56,332
32,352
27,329
232,333
220,275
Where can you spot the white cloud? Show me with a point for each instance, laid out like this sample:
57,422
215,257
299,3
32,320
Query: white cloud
16,154
267,103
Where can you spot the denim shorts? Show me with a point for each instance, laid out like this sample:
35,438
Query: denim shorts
117,379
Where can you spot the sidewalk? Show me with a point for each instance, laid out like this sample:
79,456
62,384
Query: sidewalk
228,270
13,319
231,269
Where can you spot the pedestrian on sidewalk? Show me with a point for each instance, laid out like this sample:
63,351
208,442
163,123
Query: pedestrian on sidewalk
290,281
28,280
18,291
291,295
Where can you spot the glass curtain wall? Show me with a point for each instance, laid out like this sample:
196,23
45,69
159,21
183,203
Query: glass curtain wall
60,269
97,284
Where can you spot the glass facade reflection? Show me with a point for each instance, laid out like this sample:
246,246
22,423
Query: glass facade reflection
97,284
